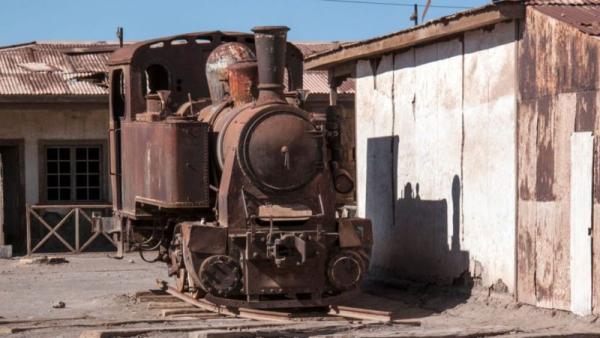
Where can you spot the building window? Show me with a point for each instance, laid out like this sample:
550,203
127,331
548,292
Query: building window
73,173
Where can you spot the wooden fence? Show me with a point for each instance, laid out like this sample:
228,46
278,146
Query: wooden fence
76,212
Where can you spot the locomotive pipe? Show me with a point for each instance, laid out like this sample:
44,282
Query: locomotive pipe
271,42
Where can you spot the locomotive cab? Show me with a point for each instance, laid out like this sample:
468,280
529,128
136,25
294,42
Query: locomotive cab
232,177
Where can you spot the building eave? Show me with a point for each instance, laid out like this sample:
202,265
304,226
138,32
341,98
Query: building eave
54,99
430,31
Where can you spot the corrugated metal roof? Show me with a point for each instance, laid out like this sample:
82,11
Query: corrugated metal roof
65,68
585,18
562,2
316,81
48,68
310,48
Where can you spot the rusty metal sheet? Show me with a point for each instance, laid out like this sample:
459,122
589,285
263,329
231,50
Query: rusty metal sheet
159,155
355,232
583,17
526,252
527,152
204,238
562,2
125,55
558,81
544,247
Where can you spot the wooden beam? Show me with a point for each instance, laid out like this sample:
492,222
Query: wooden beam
434,30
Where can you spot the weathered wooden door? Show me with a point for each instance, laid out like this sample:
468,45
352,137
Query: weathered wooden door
582,154
1,203
13,189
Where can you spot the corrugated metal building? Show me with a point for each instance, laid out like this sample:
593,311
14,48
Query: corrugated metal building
54,130
477,148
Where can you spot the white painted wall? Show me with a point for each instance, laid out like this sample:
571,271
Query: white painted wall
51,122
449,110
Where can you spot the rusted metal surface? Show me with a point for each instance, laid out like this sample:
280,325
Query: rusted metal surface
73,68
270,52
158,155
561,2
242,79
584,17
217,65
558,81
248,171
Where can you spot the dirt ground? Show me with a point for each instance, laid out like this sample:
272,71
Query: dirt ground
98,293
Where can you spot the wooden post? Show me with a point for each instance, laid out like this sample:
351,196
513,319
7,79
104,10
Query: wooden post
2,242
28,218
77,230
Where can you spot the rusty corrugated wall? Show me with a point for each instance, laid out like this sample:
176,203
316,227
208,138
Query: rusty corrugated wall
558,85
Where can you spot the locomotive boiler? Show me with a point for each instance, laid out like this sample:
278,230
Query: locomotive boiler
214,159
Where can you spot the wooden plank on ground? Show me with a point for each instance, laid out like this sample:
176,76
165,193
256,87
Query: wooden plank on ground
168,305
163,329
359,313
158,298
150,293
170,312
265,315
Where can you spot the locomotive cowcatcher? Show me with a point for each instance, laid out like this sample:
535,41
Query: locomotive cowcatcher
215,164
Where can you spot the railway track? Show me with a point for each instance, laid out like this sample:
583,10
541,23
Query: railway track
288,316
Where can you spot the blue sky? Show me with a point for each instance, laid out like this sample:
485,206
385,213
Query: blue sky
310,20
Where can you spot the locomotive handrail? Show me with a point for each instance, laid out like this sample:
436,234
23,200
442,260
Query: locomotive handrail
75,211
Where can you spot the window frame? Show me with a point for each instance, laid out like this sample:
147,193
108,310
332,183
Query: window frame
43,145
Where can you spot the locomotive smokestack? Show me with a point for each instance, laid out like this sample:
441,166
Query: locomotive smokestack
270,44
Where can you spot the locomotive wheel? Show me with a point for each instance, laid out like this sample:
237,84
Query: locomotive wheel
345,270
181,280
220,275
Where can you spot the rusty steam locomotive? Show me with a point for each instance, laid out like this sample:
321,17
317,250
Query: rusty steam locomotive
212,154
